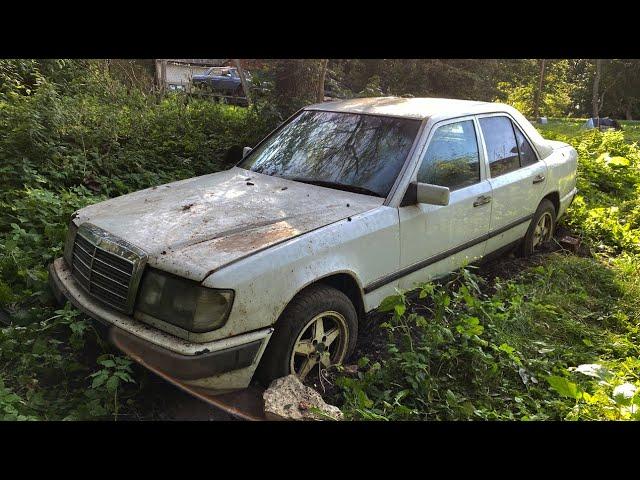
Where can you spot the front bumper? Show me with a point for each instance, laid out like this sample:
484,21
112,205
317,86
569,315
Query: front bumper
216,367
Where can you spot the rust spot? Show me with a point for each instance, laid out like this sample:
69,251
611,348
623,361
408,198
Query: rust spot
247,241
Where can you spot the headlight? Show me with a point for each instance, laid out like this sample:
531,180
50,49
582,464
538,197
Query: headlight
68,243
183,302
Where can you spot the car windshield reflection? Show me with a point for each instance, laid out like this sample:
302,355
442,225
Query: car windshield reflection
361,153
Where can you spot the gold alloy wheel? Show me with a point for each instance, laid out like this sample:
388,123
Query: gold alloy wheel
322,342
543,230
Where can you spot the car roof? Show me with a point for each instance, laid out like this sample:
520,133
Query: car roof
432,108
417,108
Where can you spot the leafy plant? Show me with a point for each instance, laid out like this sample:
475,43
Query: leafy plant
72,134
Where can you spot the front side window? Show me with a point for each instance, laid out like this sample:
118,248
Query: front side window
348,151
500,141
452,159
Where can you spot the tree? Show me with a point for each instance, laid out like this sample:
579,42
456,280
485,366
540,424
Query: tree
536,101
243,80
296,83
620,80
595,96
321,76
536,87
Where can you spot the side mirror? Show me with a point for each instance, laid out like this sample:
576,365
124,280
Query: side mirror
431,194
246,151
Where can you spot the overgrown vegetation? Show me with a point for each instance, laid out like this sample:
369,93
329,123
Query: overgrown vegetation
69,139
559,339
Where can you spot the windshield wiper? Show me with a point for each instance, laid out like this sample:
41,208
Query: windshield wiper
336,185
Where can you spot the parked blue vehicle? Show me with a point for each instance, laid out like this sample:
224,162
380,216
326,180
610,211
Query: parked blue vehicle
224,80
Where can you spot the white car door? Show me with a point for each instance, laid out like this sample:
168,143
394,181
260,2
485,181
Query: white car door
435,240
517,179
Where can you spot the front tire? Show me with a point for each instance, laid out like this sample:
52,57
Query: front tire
541,229
318,328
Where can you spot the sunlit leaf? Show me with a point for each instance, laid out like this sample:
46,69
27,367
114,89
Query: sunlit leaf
564,387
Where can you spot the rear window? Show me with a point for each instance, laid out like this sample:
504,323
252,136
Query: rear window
500,141
527,155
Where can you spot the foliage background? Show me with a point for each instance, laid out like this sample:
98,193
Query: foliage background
74,132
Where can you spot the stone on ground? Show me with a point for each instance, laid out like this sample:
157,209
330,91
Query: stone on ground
287,398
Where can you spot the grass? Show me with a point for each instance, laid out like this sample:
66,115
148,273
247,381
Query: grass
571,128
489,348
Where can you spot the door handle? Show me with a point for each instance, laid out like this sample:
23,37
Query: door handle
538,179
481,200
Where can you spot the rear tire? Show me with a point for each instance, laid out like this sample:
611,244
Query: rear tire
318,328
541,229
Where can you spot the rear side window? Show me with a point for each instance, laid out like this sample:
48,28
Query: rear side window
502,149
452,158
527,155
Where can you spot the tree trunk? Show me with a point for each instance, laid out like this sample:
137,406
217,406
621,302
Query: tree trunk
243,81
321,76
595,98
161,75
538,95
627,112
296,84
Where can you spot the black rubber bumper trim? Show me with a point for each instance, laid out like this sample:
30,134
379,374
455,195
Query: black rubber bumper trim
441,256
188,367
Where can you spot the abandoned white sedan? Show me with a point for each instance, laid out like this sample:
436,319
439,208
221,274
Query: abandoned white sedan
267,268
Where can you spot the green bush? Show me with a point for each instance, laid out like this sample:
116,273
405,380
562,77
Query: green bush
455,352
70,136
607,209
118,140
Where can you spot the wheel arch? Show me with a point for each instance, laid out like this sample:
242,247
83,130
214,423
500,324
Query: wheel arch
345,282
348,285
554,198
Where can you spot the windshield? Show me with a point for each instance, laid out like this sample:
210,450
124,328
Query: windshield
362,153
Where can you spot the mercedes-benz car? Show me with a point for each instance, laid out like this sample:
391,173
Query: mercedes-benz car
270,267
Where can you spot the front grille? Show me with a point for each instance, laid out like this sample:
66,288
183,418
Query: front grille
108,268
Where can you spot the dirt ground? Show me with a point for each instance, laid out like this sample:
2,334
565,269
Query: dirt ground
166,402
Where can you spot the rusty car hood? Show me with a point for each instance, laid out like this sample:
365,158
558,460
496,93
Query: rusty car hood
196,226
